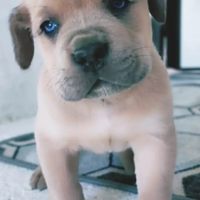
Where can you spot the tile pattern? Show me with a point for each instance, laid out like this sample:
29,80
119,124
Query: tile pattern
191,186
108,167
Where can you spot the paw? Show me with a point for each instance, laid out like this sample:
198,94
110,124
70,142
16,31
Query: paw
37,180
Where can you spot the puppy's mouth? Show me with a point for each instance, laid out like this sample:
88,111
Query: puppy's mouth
102,88
96,86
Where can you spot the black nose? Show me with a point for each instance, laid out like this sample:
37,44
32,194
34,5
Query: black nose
91,57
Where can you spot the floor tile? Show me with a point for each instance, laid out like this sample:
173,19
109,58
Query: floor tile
91,162
8,151
196,110
28,154
187,96
178,112
116,160
189,124
188,149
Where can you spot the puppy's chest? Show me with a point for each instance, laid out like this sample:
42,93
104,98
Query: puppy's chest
101,134
105,136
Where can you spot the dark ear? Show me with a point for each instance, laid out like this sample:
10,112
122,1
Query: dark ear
20,29
158,9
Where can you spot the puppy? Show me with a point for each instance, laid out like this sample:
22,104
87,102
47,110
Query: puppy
102,88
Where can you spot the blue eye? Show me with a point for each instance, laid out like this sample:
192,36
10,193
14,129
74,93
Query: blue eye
119,4
49,28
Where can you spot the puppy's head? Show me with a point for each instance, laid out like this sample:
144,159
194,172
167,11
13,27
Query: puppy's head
91,48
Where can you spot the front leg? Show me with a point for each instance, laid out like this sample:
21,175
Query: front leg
60,169
155,158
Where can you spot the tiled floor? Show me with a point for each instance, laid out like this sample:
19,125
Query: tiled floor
186,91
16,187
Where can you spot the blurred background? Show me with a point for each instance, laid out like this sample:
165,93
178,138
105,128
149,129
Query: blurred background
17,87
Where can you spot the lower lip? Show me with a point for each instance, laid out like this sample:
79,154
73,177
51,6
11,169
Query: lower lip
97,85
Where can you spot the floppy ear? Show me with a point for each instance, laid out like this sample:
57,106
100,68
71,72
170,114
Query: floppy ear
158,9
20,29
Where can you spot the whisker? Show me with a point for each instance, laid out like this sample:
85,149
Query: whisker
51,79
54,84
145,55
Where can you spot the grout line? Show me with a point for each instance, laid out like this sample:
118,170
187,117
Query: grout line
94,171
16,152
18,163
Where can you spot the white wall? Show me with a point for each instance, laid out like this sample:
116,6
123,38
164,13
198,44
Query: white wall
190,33
17,87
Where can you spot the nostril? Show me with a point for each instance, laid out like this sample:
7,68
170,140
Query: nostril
101,51
80,57
91,57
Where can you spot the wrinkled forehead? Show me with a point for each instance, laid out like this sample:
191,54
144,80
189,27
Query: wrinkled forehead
59,7
62,11
77,14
